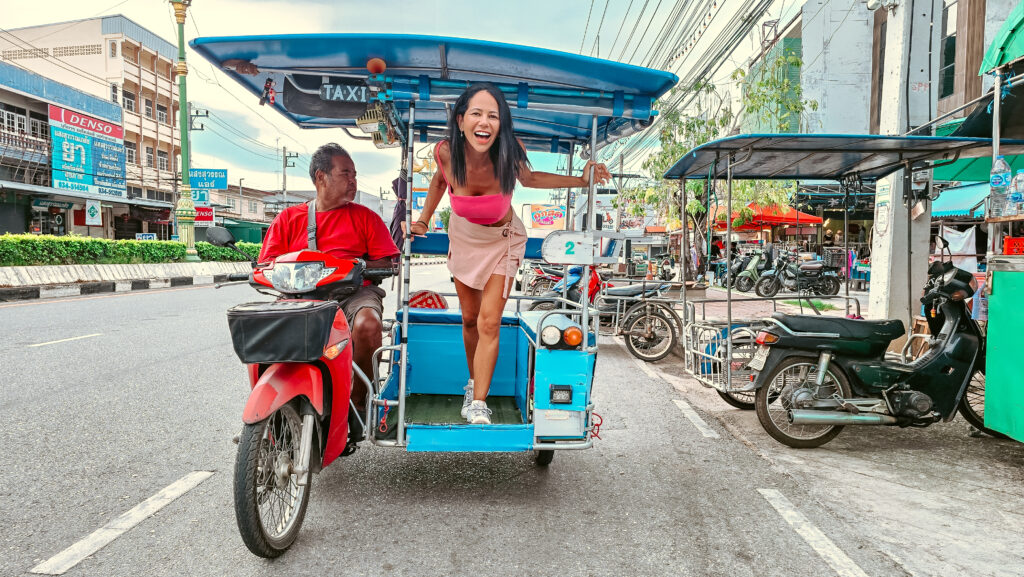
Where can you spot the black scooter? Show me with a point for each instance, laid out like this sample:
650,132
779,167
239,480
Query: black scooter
814,277
816,374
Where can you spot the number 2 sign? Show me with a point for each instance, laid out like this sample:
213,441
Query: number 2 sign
568,247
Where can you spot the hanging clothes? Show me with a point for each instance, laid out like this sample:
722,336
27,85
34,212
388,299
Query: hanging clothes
399,186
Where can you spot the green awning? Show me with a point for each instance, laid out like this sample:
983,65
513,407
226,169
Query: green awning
1008,44
961,201
973,169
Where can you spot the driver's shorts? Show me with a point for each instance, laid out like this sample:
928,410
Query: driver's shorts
369,296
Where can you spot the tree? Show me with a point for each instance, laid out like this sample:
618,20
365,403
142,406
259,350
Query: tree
767,95
446,215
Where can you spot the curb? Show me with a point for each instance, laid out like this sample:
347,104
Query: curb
8,294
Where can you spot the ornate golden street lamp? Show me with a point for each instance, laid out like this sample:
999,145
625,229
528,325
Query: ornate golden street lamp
185,210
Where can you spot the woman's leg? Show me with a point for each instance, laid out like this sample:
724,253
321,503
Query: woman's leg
469,302
488,325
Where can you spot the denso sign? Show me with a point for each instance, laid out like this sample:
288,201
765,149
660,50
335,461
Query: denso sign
87,123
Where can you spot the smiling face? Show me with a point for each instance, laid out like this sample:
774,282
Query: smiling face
481,121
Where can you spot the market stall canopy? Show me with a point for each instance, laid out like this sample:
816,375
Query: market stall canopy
826,156
323,81
774,216
1008,44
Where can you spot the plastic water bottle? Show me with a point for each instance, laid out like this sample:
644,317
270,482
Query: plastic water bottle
1016,203
999,183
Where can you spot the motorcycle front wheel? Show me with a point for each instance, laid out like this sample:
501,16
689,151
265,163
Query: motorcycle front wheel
772,402
767,286
269,503
649,336
744,284
972,405
832,286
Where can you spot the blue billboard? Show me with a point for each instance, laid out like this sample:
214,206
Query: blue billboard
88,154
208,178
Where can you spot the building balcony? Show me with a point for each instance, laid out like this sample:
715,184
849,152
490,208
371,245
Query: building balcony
23,148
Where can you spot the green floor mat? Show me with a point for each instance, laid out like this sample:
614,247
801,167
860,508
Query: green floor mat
446,410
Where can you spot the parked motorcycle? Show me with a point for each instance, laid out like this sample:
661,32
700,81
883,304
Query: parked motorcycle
299,417
817,374
542,279
665,269
814,277
651,329
756,263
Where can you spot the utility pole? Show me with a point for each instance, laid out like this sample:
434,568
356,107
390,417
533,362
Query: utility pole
900,240
185,210
193,114
285,165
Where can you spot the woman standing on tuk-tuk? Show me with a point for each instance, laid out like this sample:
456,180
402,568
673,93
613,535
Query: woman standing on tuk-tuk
479,164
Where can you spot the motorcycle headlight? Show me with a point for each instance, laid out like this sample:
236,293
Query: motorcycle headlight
298,277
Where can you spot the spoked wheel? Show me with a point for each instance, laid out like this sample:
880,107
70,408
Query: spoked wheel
739,399
543,306
649,336
544,457
540,287
972,405
269,503
767,286
791,378
833,285
744,284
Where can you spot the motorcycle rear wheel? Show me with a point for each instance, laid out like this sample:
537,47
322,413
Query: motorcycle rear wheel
767,286
972,405
543,306
744,284
540,287
833,285
650,336
741,400
269,504
770,402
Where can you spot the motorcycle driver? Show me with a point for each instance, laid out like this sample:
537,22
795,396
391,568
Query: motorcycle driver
344,229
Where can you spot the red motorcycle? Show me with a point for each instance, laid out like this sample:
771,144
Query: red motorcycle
297,418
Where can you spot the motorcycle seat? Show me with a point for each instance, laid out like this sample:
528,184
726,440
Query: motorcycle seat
631,290
812,266
874,331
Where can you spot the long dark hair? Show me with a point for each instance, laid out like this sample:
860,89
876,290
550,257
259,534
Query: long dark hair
506,153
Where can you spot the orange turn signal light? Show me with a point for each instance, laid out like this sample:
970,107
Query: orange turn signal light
572,336
766,338
332,351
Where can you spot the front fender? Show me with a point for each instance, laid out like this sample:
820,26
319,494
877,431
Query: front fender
281,383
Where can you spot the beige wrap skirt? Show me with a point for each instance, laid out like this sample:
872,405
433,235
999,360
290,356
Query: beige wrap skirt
475,251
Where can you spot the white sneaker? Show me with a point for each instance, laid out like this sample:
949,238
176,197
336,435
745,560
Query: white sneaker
467,398
478,413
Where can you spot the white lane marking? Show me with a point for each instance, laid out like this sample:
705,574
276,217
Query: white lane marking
695,419
100,538
65,340
822,545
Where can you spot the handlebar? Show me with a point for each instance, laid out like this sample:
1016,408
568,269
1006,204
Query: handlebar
380,273
238,276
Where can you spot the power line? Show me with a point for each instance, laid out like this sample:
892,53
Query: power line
621,26
600,25
66,66
635,24
644,35
587,27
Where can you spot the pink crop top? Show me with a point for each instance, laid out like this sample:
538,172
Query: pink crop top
484,209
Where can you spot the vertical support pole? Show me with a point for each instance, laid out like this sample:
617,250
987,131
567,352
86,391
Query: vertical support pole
728,276
591,220
907,200
846,241
993,242
403,368
684,243
568,218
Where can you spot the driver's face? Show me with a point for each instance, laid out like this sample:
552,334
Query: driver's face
339,185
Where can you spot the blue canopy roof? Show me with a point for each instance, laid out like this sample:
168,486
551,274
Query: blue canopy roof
826,156
553,95
965,200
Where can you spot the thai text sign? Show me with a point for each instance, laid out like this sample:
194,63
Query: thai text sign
88,153
547,217
208,178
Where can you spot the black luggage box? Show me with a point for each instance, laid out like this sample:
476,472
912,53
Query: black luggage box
284,331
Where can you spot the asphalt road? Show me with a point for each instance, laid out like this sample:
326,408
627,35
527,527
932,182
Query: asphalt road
150,391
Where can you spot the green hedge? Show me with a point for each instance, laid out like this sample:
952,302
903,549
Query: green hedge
31,249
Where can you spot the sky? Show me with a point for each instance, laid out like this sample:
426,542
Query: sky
244,138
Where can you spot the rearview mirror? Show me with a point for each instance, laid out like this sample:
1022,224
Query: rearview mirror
219,236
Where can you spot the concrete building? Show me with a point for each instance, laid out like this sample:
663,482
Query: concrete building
113,58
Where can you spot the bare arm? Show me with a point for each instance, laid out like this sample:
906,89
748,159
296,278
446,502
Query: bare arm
536,179
434,194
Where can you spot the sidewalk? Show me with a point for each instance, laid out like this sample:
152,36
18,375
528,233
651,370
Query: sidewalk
35,282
